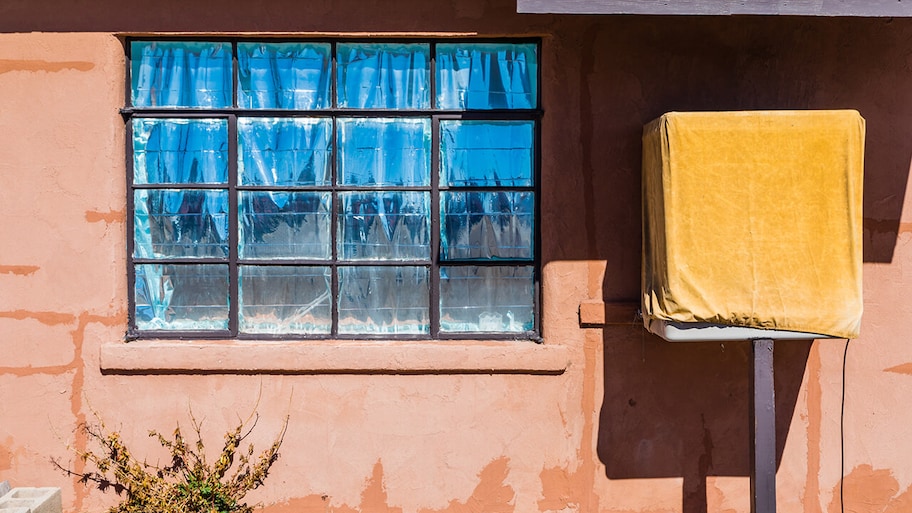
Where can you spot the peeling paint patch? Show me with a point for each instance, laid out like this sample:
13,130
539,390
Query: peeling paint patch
111,216
715,497
905,368
813,429
870,490
491,495
563,490
373,498
6,454
49,318
309,504
902,503
22,372
557,490
19,270
7,65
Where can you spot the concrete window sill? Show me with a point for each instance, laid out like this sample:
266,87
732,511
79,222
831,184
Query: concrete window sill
332,357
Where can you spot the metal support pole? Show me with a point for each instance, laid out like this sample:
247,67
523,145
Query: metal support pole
762,428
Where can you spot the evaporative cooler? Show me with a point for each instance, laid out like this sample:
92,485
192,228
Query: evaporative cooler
752,230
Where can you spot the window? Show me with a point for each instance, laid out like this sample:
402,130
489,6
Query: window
333,189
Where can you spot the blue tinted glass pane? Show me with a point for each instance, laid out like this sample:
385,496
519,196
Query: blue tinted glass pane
486,299
487,76
181,297
283,75
180,74
387,300
485,225
284,151
383,76
384,225
180,223
384,151
180,150
486,153
280,299
285,224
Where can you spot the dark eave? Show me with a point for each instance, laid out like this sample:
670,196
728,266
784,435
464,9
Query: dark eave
862,8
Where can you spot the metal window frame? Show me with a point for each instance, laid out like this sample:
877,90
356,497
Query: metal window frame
433,263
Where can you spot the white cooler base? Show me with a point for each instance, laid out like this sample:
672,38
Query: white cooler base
706,332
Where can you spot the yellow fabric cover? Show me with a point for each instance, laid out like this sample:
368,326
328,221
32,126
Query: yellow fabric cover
754,219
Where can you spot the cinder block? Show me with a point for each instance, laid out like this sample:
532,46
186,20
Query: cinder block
13,510
32,500
7,505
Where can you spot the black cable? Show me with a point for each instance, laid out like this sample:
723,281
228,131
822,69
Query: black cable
845,354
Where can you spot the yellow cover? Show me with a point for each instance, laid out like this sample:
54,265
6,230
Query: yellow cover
754,219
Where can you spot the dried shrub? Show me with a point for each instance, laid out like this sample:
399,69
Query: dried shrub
189,484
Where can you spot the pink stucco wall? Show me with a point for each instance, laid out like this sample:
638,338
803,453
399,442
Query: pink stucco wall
598,418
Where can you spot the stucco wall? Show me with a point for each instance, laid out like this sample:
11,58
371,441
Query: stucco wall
611,420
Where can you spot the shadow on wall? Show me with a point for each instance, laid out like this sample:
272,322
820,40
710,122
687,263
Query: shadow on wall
681,410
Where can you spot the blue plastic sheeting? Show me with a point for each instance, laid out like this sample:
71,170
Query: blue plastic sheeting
387,300
282,225
284,75
285,299
487,76
383,76
181,296
180,223
285,151
487,299
181,74
369,75
179,151
486,225
486,153
174,219
384,151
384,225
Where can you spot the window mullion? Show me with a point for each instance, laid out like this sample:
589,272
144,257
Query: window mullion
434,272
433,77
131,233
537,228
434,299
334,228
334,221
234,74
233,272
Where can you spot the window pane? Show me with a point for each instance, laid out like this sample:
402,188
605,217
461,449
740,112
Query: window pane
384,225
279,299
486,299
486,153
181,297
383,75
487,76
283,75
180,223
388,300
285,151
484,225
180,74
180,150
384,151
285,225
